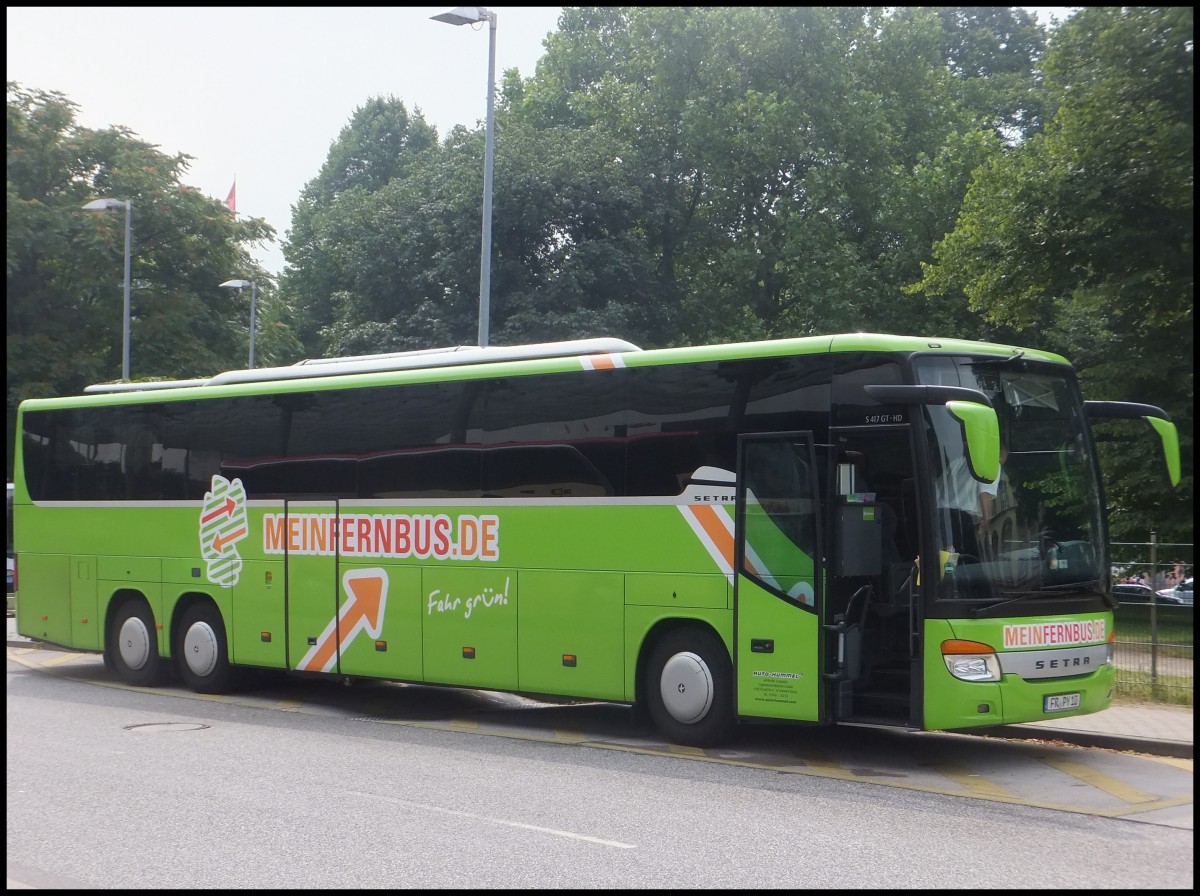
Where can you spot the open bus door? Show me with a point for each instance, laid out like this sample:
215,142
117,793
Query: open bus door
777,579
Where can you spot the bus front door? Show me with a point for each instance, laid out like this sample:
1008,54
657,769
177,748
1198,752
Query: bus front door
777,579
872,602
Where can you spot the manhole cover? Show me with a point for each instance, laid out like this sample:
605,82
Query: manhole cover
155,727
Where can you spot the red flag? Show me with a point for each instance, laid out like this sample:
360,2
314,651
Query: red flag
231,199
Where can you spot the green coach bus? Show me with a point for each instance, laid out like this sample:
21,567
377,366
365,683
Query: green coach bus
717,534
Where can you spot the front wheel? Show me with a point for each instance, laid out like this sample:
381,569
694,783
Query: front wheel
202,651
131,649
689,688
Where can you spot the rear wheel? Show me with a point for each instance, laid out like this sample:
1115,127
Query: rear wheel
202,651
689,687
131,649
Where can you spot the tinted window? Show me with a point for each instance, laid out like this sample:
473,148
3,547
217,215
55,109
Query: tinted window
290,444
556,435
685,416
546,435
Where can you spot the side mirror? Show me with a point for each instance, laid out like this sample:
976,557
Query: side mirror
1157,419
970,407
981,436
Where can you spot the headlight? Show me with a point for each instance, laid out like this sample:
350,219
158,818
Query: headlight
971,660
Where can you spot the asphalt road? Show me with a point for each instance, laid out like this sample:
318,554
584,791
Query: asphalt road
312,784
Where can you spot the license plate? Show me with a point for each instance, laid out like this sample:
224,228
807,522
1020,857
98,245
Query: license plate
1060,702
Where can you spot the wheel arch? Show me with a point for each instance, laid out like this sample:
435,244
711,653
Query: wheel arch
660,630
185,602
127,606
116,601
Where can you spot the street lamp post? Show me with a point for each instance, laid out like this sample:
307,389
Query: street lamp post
103,205
242,284
467,15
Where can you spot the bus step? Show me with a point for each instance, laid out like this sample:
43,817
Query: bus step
890,679
883,704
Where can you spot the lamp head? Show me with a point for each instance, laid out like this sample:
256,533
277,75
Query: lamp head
462,15
236,284
97,205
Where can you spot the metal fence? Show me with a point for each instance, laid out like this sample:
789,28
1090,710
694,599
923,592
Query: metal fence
1154,646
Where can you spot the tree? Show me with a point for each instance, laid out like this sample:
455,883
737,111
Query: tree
65,266
672,175
334,227
1080,240
791,166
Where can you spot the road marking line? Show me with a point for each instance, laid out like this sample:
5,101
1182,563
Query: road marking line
501,821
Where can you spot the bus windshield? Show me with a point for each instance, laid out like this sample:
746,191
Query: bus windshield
1038,529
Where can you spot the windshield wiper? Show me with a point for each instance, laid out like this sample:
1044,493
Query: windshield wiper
1090,584
1023,595
996,362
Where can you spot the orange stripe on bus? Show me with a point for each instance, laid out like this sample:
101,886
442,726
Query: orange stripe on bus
714,527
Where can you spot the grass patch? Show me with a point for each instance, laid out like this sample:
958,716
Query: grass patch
1173,625
1170,641
1140,687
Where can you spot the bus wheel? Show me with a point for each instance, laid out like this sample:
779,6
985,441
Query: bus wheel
202,652
689,688
131,649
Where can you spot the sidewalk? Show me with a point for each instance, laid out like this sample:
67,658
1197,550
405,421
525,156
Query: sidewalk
1155,728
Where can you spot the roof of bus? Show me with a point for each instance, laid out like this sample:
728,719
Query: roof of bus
470,362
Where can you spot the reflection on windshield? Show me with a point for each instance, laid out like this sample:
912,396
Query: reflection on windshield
1037,527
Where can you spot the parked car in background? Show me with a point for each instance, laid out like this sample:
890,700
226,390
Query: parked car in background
1132,593
1180,594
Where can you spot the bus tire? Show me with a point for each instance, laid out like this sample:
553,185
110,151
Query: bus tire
131,649
689,687
202,651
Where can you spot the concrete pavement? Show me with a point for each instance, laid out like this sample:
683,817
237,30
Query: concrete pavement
1155,728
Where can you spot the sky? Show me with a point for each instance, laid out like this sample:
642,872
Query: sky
257,95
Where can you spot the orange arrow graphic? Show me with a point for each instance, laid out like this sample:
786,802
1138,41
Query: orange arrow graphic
363,610
221,540
225,509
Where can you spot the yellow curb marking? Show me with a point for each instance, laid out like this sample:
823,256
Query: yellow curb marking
973,782
1099,780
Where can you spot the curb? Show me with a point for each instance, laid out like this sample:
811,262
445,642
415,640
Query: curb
27,643
1127,743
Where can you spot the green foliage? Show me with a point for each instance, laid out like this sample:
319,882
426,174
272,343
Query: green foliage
1080,240
337,229
65,266
673,175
